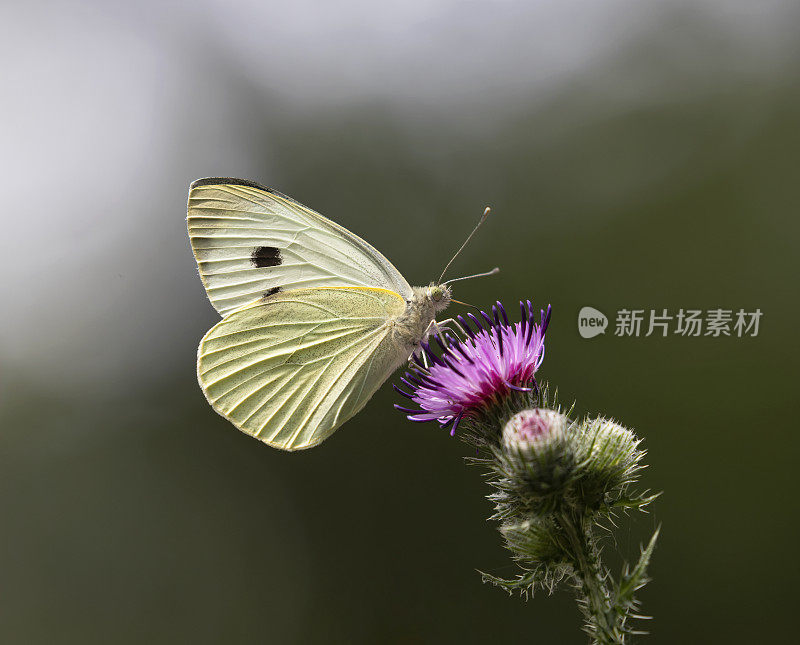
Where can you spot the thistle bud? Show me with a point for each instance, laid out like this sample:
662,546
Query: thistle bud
610,460
537,458
530,429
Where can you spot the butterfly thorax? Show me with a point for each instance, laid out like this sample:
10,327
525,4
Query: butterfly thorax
413,325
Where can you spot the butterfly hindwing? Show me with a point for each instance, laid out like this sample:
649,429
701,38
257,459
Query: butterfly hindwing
250,241
291,368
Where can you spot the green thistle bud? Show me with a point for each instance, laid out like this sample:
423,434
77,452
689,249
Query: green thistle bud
609,462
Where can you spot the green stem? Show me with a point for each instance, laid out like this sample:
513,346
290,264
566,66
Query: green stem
604,623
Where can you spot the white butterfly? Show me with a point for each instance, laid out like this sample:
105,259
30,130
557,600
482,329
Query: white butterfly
314,318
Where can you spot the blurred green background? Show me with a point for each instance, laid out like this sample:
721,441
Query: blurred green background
635,155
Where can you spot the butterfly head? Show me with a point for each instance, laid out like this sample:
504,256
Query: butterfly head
439,295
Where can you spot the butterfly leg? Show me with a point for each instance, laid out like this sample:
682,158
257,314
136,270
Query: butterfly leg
447,322
438,328
447,325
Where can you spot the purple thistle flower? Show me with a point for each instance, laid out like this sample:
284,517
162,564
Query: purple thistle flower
471,374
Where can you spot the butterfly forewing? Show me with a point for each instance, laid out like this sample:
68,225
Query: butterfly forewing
250,242
293,367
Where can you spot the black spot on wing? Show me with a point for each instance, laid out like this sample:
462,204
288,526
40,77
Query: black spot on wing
271,291
266,256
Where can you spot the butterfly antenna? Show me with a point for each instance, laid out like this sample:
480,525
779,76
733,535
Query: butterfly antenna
476,275
469,237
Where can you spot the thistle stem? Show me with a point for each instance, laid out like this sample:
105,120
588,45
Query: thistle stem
603,622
